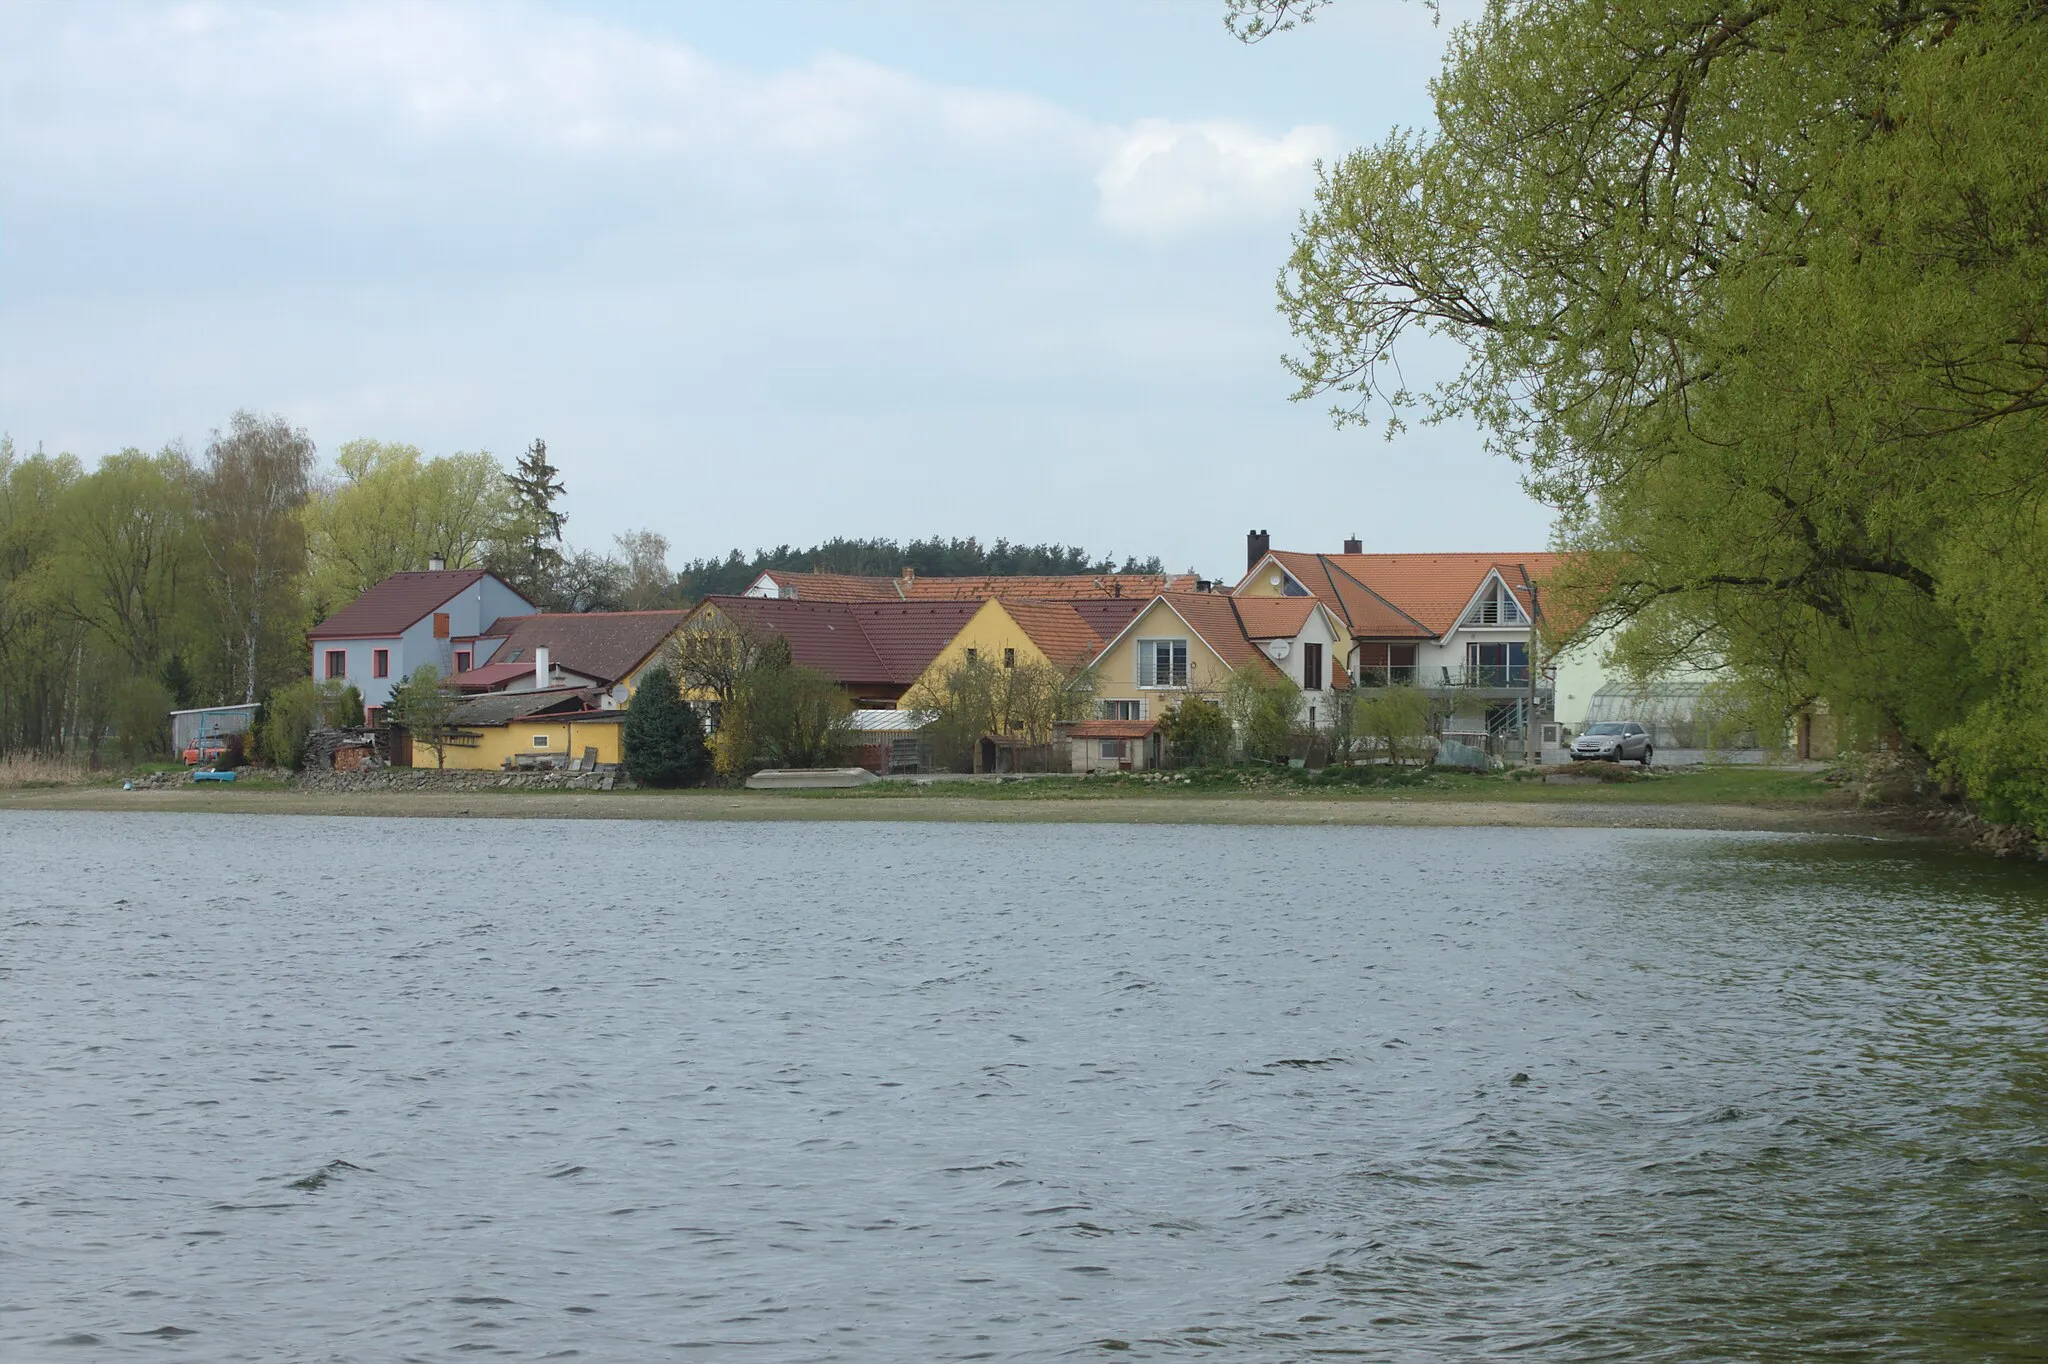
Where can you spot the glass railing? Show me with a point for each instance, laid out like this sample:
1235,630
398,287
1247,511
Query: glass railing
1388,677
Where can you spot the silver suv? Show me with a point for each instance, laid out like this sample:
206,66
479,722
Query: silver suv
1615,740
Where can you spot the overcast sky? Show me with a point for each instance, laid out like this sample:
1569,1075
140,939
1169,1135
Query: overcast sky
759,273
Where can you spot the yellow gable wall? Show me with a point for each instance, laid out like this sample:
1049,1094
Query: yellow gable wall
565,739
1261,583
988,632
1116,670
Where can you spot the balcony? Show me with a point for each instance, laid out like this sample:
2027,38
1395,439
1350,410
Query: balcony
1404,676
1485,675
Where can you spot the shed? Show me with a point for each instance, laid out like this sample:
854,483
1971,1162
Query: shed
190,727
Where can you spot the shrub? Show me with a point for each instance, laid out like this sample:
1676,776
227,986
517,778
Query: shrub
1264,706
1197,732
346,712
663,739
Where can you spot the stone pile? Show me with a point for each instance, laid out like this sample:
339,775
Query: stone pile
430,779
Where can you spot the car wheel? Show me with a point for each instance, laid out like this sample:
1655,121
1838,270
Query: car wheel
1647,751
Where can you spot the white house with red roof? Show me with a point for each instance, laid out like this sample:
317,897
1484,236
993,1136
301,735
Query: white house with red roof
437,617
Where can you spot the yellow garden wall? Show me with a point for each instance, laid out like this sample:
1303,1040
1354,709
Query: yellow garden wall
565,739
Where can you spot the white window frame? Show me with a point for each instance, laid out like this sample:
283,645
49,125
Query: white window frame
1117,708
540,741
1177,668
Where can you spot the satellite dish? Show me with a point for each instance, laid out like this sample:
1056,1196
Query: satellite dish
1278,649
1274,577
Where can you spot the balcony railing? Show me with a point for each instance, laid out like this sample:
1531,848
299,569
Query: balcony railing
1495,675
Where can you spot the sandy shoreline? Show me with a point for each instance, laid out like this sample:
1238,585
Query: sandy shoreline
1390,811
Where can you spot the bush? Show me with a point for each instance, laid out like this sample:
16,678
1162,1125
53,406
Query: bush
347,710
1264,705
1197,733
663,739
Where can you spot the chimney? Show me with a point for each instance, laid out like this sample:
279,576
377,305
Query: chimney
436,564
540,668
1354,545
909,576
1256,545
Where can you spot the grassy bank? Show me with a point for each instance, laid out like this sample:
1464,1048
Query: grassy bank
1733,799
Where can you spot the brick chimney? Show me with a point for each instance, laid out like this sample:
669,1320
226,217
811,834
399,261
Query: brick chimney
1354,545
1256,545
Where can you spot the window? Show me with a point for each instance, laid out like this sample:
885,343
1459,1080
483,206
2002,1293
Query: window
973,654
1162,663
462,657
540,741
373,716
1496,606
1009,658
337,663
1114,749
1312,678
1123,710
1497,665
1385,665
380,663
440,625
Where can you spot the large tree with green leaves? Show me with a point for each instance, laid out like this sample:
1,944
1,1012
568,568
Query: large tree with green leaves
249,502
393,510
1757,294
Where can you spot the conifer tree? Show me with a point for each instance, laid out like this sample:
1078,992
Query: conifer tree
663,739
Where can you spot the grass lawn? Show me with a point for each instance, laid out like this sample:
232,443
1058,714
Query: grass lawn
1708,786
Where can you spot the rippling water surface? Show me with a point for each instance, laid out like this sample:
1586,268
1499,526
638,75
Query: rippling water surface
297,1089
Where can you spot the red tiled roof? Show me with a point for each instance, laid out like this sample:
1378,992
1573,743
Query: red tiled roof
1214,617
1111,729
908,635
397,604
604,645
854,587
1367,612
491,675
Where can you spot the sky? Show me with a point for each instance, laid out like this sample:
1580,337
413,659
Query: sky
759,273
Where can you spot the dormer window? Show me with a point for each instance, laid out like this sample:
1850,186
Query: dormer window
1496,606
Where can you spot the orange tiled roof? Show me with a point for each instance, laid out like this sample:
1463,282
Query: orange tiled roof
1397,596
1062,587
1274,617
1214,617
1057,629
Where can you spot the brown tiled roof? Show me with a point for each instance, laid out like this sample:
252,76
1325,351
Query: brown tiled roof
907,635
1111,729
1274,617
395,605
490,675
1057,629
605,645
856,642
1108,615
503,707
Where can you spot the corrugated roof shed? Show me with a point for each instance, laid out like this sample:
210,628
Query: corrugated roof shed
502,708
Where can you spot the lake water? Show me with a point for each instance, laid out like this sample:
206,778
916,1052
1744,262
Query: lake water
302,1089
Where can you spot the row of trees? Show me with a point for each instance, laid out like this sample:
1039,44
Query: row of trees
1755,293
935,557
155,581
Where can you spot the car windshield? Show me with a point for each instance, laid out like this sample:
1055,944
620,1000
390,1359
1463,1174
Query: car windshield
1606,727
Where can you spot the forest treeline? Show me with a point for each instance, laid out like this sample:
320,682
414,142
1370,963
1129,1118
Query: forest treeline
150,581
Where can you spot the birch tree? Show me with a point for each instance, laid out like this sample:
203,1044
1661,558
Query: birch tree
249,498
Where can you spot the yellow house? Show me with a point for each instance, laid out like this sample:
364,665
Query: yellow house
1014,634
492,732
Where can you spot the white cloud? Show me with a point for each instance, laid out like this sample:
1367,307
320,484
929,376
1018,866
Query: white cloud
137,95
1163,178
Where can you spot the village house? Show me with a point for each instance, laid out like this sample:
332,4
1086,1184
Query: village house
1188,644
876,650
1463,627
379,639
513,728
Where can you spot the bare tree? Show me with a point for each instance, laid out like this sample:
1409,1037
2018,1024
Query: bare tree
715,655
649,585
249,498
